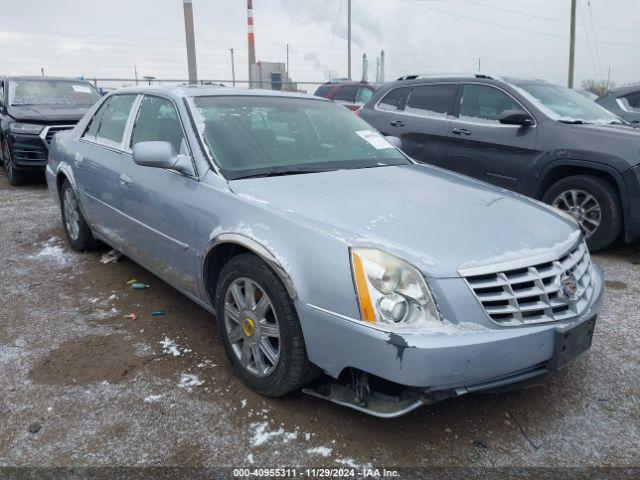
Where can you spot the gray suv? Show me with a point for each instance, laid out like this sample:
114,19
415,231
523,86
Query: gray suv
624,102
529,136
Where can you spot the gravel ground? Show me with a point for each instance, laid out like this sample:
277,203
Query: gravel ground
84,386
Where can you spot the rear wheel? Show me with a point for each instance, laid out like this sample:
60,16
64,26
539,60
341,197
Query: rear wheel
76,229
260,329
593,202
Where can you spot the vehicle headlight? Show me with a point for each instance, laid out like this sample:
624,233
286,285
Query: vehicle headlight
391,293
25,128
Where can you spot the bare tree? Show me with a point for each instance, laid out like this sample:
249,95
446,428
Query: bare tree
599,87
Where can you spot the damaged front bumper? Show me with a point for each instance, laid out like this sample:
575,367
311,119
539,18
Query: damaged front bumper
438,366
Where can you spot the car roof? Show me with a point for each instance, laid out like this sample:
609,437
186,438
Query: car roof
624,90
40,77
415,79
182,91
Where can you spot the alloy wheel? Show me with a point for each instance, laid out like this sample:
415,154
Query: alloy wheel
583,207
71,214
252,327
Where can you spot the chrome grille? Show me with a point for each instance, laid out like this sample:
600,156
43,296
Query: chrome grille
533,293
50,131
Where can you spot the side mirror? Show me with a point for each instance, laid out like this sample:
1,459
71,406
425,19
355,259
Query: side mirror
516,117
161,155
395,141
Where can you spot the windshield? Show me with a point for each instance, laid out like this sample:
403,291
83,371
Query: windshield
563,104
258,136
52,92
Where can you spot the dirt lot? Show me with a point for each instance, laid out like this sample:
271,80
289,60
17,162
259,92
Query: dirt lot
82,385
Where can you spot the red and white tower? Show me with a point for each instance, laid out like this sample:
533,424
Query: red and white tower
252,40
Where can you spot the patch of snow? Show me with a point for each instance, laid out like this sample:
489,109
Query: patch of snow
250,458
524,252
243,402
53,253
153,398
170,347
324,451
252,199
189,381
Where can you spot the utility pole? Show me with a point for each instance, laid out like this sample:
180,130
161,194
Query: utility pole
135,73
572,43
479,65
233,68
191,41
609,78
287,58
349,39
42,71
382,66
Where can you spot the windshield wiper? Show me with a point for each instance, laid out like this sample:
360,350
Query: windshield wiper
280,172
576,122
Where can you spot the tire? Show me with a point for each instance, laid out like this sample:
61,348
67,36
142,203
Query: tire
15,177
243,330
589,195
76,229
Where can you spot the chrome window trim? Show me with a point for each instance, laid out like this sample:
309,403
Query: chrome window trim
108,144
448,117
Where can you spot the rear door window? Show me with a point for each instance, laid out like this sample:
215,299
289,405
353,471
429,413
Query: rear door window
431,100
158,121
484,104
323,91
347,93
114,120
394,100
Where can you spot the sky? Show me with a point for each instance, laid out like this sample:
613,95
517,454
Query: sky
525,38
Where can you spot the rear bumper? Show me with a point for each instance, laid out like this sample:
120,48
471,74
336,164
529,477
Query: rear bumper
632,184
479,360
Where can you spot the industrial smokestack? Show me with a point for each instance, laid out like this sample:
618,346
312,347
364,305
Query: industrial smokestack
252,40
365,67
382,66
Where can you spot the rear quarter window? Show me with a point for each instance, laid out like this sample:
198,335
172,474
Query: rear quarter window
323,91
394,100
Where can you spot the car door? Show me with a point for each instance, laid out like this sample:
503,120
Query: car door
100,160
422,124
484,148
159,202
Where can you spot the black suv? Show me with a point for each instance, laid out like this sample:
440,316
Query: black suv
624,102
32,111
530,136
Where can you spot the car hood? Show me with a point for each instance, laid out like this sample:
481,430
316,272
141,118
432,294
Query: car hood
438,220
47,113
617,132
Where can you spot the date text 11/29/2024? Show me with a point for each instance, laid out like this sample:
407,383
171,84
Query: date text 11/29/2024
368,472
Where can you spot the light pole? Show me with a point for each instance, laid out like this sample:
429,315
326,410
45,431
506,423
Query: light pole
233,68
572,43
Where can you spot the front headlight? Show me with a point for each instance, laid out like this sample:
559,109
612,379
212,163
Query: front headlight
391,293
25,128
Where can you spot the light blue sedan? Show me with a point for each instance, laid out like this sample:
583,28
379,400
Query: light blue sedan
321,248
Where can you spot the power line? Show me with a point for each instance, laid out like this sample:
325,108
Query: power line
508,27
539,17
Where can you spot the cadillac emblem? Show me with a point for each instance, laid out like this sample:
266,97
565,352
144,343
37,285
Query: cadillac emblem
568,287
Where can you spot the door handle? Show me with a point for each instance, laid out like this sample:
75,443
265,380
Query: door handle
461,131
397,123
125,181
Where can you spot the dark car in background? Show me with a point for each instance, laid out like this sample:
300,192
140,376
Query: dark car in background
624,102
351,94
32,111
529,136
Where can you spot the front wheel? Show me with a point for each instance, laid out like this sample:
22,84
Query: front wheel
260,329
14,176
76,229
593,202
